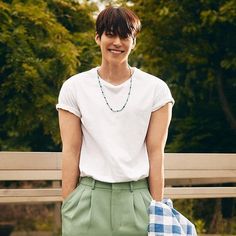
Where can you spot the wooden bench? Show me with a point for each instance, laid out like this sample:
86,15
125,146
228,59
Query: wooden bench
187,176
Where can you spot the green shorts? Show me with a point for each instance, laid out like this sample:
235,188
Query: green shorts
97,208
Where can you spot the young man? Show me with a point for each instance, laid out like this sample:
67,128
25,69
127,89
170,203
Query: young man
114,123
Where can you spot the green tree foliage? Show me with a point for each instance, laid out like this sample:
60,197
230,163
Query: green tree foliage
191,45
42,43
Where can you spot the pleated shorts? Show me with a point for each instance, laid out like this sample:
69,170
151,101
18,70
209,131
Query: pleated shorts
98,208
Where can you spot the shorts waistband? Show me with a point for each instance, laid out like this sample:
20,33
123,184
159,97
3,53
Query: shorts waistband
140,184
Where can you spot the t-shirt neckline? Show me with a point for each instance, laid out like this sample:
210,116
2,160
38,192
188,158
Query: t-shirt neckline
112,85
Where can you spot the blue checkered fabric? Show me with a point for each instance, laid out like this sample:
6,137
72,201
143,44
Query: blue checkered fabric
164,220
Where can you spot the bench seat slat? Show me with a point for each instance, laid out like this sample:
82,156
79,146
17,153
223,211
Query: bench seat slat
199,192
192,173
36,192
198,181
29,200
30,195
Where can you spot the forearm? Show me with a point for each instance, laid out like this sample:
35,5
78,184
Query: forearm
70,172
156,176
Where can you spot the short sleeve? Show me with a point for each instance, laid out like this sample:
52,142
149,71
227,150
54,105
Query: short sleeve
162,95
67,99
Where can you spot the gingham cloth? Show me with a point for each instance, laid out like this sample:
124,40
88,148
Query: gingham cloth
164,220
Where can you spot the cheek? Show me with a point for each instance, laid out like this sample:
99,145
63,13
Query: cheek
103,47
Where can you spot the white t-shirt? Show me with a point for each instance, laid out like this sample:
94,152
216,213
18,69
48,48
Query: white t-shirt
113,147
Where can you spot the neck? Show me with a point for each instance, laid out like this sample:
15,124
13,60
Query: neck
115,73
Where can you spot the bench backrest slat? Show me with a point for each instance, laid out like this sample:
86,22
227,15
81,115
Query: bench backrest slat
200,161
30,161
178,166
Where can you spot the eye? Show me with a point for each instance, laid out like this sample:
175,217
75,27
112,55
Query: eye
110,34
127,38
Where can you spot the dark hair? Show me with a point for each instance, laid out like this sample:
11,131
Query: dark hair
119,21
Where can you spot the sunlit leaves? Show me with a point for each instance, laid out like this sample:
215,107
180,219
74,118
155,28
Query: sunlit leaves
39,49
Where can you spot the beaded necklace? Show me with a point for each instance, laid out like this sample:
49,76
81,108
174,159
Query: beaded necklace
104,96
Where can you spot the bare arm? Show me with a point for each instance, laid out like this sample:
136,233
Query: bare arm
71,135
156,141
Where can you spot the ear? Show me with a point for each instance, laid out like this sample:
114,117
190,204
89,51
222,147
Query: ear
134,43
97,39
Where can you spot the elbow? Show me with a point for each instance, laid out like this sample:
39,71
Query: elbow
72,151
155,153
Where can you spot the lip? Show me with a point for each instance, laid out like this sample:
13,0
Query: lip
115,50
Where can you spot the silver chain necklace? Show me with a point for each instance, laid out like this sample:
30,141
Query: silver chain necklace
104,96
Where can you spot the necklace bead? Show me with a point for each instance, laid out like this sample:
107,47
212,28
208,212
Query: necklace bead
104,96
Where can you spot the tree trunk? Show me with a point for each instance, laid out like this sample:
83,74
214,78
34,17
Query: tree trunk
225,104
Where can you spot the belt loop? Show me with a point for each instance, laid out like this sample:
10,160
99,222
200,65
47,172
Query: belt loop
131,186
93,184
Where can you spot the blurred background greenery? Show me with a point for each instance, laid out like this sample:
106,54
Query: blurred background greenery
189,44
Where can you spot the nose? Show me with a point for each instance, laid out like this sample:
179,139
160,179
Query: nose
116,41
